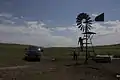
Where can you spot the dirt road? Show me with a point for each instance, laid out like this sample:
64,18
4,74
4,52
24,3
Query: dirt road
61,69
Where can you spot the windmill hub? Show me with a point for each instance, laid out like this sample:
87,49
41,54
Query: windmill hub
84,22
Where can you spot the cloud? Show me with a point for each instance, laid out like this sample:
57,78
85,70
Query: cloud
60,28
112,38
36,33
94,15
21,17
49,21
107,27
5,15
4,21
7,19
107,32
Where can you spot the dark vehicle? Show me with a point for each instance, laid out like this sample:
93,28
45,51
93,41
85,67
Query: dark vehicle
33,53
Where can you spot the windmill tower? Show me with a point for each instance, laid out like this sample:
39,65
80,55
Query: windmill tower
84,23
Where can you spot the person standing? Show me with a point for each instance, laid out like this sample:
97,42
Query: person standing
74,55
80,41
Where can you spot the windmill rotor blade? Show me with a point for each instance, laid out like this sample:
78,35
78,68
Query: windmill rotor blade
81,29
90,21
78,23
78,20
79,26
88,18
90,26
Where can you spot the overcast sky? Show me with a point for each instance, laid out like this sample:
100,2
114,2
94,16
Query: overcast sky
52,22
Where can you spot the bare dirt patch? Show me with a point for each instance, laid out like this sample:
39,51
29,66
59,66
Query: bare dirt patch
57,70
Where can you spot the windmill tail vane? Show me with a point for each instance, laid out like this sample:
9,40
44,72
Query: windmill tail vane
100,17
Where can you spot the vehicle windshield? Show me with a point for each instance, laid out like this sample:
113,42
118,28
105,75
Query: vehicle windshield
33,48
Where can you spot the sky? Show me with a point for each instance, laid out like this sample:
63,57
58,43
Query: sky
51,23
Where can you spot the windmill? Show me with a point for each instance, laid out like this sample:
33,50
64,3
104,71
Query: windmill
84,23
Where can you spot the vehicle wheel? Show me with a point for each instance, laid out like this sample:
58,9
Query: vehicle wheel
38,59
25,58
